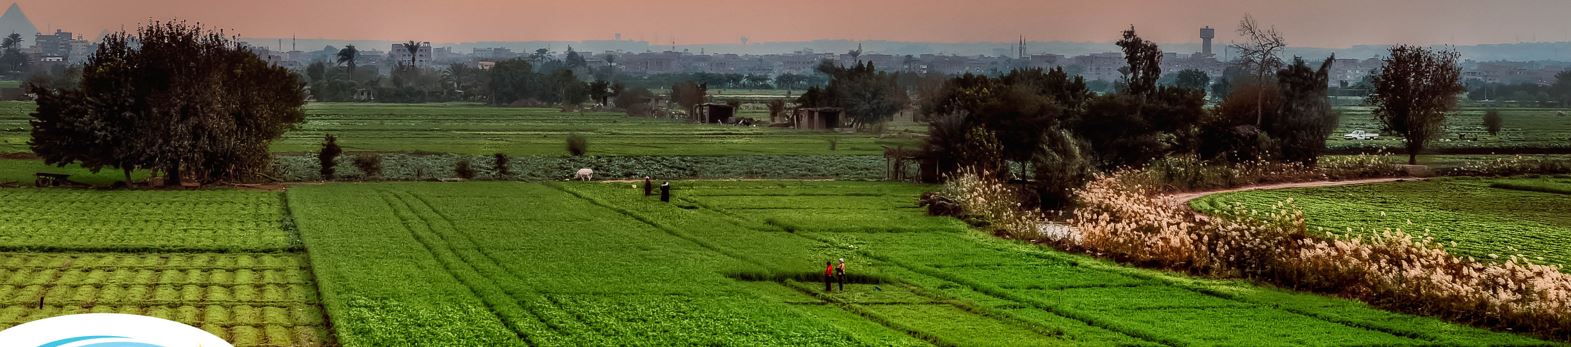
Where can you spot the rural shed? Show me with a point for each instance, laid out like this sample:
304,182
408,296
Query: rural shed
824,118
714,113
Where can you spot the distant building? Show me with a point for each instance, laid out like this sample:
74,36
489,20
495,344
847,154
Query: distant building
400,55
56,45
80,51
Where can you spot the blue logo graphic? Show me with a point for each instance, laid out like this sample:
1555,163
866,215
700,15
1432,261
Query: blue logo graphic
63,342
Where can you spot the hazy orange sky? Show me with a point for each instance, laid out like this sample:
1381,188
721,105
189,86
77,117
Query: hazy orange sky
1318,23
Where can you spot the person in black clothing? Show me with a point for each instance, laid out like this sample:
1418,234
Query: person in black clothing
840,273
665,192
649,186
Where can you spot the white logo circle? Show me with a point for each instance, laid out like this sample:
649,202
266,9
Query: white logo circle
108,330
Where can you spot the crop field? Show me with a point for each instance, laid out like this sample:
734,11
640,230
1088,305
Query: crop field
220,260
1484,218
480,129
1522,128
501,263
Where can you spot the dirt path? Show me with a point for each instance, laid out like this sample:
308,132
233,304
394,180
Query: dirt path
1186,197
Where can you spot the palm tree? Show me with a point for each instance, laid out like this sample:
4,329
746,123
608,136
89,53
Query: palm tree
348,56
414,52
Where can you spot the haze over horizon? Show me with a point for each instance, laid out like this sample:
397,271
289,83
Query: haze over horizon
1327,23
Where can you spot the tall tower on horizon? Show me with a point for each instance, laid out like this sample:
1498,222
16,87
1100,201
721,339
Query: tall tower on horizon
1206,34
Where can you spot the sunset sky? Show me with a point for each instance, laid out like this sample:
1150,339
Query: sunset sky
1318,23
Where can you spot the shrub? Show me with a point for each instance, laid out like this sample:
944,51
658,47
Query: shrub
499,162
328,157
1492,122
834,142
369,164
987,202
577,145
463,169
1060,166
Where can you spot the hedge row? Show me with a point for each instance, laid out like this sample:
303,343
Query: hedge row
408,167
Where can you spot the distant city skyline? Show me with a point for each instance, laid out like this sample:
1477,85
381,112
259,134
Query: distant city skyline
1324,23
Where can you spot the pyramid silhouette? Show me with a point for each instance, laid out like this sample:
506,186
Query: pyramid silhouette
14,21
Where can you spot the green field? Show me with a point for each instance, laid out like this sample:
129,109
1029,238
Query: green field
222,260
737,263
479,129
1483,217
1522,128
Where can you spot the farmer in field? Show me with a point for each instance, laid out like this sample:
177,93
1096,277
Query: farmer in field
840,273
829,275
665,192
649,186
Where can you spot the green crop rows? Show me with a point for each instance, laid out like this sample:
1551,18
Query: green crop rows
1523,128
499,263
223,220
1482,217
220,260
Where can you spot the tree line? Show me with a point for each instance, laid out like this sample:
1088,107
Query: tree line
1049,128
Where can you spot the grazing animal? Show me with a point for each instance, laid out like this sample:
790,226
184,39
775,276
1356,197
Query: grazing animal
584,174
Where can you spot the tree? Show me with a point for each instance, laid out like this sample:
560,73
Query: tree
575,60
1562,87
173,97
688,95
12,59
414,53
327,158
600,91
1305,118
1145,64
1192,79
512,80
1412,93
1492,122
316,71
864,94
348,56
1259,52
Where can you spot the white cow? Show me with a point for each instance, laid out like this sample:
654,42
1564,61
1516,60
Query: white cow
584,174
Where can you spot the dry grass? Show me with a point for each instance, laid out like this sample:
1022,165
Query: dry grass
1130,222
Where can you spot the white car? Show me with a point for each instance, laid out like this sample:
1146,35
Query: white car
1361,135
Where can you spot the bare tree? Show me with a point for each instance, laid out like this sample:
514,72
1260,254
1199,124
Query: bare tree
1412,93
1260,52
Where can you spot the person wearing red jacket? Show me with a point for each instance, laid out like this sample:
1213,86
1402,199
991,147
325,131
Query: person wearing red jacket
829,275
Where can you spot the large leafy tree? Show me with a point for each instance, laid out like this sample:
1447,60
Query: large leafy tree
866,95
1412,93
512,80
1145,64
172,97
1562,88
1305,117
1192,79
